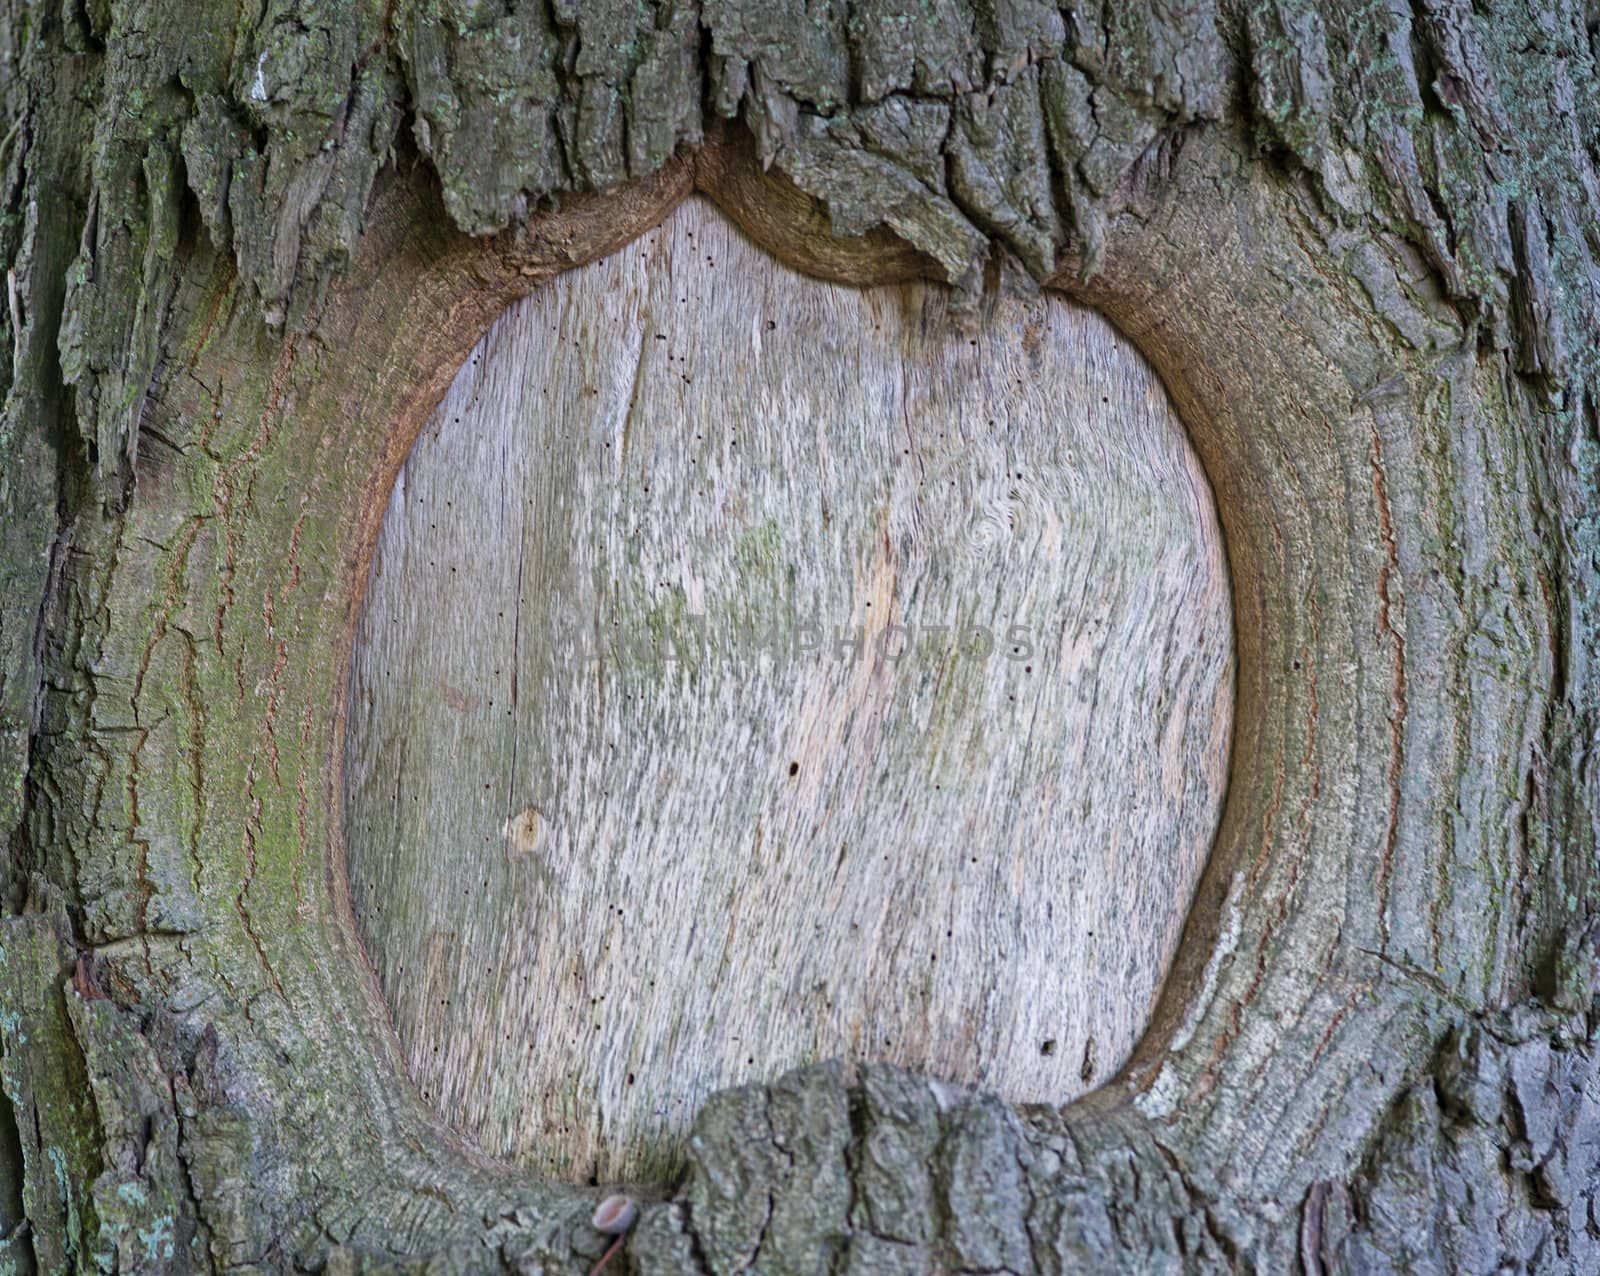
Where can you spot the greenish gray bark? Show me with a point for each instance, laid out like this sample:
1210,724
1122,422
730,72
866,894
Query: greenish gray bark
1360,247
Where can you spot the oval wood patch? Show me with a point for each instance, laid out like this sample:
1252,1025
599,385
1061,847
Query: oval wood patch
756,670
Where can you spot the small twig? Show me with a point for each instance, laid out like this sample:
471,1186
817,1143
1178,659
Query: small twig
606,1257
614,1216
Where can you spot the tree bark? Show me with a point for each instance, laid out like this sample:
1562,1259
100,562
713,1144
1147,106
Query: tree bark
247,253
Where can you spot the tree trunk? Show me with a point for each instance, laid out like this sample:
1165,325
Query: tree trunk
247,254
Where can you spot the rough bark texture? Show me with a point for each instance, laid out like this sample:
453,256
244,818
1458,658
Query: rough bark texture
1359,246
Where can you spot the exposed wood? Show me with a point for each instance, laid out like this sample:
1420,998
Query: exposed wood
758,671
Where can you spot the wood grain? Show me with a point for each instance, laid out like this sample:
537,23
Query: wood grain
677,755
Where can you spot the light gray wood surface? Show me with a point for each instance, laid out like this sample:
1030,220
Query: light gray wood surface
629,818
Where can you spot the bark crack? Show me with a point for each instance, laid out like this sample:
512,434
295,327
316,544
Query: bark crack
252,828
1387,570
